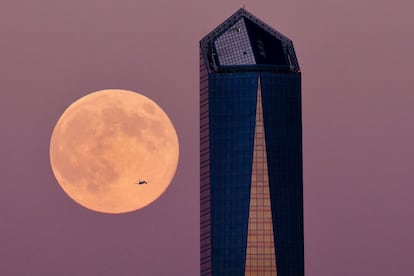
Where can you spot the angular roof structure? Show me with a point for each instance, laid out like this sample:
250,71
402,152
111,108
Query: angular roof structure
243,42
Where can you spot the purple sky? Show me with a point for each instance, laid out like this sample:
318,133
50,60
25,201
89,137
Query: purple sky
356,57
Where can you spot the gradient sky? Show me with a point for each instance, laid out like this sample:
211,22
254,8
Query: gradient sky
356,58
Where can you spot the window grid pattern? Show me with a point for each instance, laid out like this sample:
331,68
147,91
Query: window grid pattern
233,46
260,253
281,95
205,227
232,115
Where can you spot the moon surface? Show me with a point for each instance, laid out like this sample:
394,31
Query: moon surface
107,141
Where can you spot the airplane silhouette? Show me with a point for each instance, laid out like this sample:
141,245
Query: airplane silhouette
140,182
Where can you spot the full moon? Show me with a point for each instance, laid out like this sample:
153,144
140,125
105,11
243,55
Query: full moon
114,151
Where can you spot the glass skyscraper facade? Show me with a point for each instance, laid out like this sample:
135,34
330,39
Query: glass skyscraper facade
251,193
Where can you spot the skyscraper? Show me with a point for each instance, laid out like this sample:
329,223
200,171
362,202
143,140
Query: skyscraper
250,151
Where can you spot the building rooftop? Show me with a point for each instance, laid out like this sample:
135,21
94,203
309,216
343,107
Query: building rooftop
243,42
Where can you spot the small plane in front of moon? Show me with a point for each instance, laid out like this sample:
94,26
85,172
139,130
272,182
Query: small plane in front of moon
141,182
